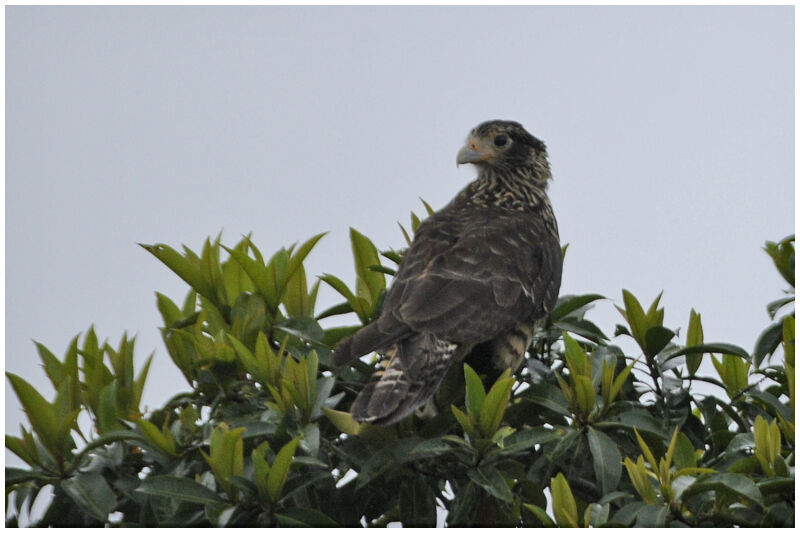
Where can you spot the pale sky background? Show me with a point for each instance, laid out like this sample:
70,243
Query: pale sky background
670,132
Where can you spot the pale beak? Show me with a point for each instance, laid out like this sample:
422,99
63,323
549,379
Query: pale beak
472,153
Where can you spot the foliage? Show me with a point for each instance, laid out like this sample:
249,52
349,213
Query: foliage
261,436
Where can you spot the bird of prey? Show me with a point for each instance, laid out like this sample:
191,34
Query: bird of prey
478,275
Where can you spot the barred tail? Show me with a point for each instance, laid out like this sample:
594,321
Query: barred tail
398,389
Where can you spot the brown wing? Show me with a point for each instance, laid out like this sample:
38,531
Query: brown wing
468,276
499,268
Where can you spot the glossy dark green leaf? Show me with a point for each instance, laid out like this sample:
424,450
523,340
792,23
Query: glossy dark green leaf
736,485
304,517
178,488
91,493
390,456
767,342
581,327
417,503
656,338
569,303
772,403
528,438
339,309
464,507
627,514
491,480
607,460
716,347
775,306
652,516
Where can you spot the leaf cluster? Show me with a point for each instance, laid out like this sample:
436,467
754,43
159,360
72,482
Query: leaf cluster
261,434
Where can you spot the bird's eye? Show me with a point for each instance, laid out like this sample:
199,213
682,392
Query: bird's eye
500,140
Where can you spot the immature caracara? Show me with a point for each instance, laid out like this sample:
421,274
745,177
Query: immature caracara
478,275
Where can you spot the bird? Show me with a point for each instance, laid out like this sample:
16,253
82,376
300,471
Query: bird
478,275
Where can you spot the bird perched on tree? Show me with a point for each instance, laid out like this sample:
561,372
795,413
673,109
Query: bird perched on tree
477,276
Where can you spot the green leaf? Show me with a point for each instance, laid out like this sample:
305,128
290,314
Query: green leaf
767,342
607,460
339,309
528,438
582,327
428,208
162,441
619,381
585,395
417,503
694,336
370,283
464,420
296,260
684,456
259,274
637,472
492,481
634,315
107,410
736,485
652,516
21,449
356,304
178,488
564,508
52,366
570,303
40,412
541,514
776,305
91,493
576,358
475,393
495,404
771,403
788,327
295,298
716,347
782,254
343,421
305,517
15,476
646,450
186,269
656,338
280,469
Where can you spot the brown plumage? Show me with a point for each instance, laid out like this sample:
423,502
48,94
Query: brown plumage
478,274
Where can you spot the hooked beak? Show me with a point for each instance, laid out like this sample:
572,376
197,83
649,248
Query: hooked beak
473,152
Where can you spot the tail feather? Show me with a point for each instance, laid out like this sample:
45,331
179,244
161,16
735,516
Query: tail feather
375,336
393,392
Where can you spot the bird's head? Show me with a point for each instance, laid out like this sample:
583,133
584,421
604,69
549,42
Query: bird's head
505,146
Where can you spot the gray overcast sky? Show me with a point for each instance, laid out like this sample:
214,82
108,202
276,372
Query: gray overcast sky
670,132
